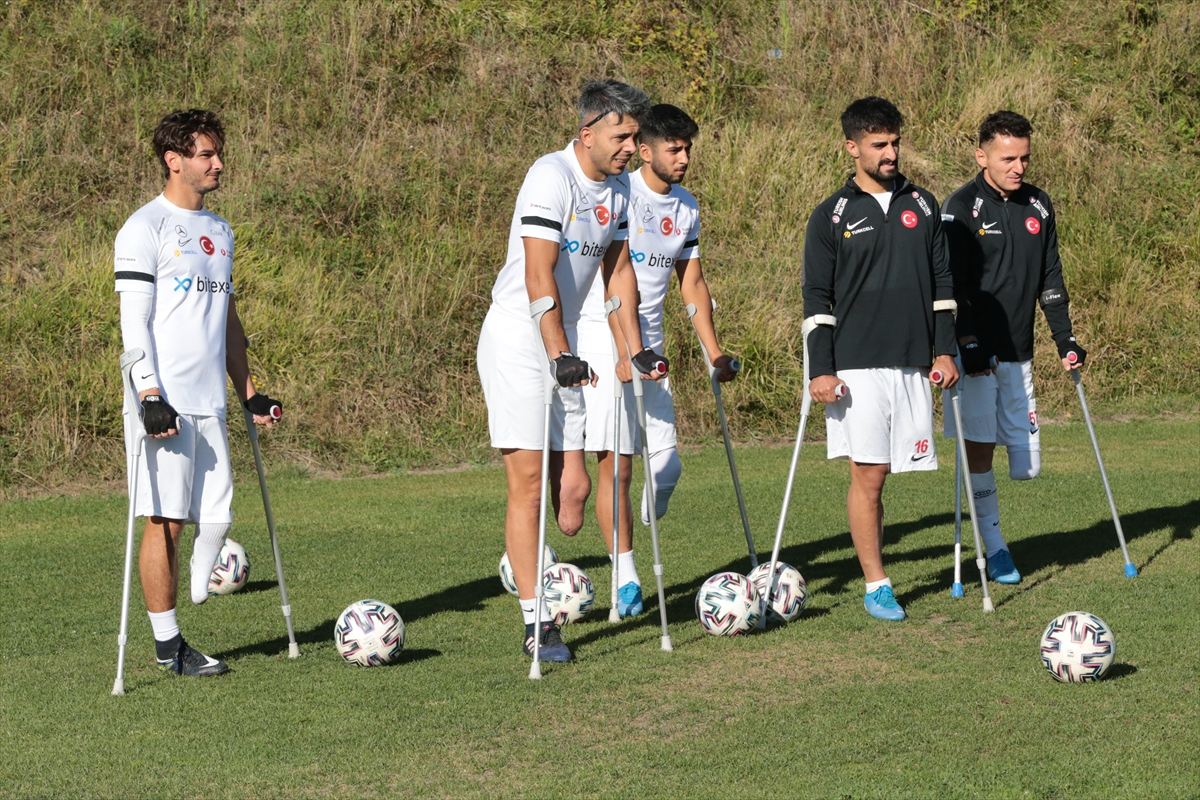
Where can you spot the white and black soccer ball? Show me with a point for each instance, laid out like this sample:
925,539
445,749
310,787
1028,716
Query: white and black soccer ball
790,595
506,576
569,593
369,633
1078,647
728,604
231,571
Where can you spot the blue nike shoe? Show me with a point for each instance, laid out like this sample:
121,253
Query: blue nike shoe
1000,568
881,604
629,600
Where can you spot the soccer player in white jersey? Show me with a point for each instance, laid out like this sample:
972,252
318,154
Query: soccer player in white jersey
174,272
570,222
664,239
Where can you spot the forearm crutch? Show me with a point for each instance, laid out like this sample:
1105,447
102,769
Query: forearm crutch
610,307
537,310
735,366
805,408
1130,569
138,431
935,377
649,477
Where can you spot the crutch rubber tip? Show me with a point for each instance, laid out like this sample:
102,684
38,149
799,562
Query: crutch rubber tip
613,616
666,644
535,671
987,606
293,650
118,688
1130,571
935,376
956,590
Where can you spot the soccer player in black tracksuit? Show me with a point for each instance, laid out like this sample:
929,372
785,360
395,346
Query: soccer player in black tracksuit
878,307
1003,242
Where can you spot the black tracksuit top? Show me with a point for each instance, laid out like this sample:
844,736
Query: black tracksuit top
1004,254
878,274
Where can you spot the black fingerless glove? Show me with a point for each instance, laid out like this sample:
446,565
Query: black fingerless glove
649,361
158,416
975,358
569,370
262,406
1068,345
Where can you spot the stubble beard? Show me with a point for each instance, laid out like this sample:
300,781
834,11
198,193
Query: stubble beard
876,172
665,176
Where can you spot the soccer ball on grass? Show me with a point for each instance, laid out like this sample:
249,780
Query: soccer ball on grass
569,593
506,575
790,595
1078,647
728,604
369,633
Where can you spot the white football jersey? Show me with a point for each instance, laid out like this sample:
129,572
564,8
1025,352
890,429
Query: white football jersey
559,203
664,230
185,260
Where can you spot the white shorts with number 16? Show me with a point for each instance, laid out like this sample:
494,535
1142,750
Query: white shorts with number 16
887,418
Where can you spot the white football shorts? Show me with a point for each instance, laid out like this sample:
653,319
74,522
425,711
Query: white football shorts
999,408
887,418
656,397
510,360
187,476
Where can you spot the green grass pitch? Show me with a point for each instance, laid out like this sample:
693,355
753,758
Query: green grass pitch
949,703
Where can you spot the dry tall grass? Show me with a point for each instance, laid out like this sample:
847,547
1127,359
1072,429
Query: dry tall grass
376,148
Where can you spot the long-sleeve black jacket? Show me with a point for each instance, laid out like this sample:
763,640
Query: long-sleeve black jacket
1004,256
879,275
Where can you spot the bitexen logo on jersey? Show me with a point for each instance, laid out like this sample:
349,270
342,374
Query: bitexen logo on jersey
666,262
637,257
183,283
203,284
594,249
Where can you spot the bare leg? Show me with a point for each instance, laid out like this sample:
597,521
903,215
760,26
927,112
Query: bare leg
864,508
523,469
604,500
158,563
570,486
979,456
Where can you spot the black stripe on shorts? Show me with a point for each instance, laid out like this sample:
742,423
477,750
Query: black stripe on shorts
542,222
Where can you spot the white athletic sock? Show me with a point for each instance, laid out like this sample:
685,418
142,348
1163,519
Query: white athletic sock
164,624
626,571
666,469
874,586
987,505
206,547
528,608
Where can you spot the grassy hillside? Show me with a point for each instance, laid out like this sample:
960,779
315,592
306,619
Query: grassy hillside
375,150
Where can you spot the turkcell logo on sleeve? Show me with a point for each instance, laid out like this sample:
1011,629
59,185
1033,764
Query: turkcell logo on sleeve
203,284
594,249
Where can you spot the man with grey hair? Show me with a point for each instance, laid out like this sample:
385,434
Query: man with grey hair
571,208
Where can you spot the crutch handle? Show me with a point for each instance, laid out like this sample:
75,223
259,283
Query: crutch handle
935,377
1072,356
841,390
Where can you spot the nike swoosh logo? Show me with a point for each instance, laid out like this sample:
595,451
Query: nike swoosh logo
988,225
212,662
918,458
147,376
852,226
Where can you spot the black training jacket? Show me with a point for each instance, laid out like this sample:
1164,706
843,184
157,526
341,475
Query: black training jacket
1004,256
879,275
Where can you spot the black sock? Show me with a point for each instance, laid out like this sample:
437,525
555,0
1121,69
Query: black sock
169,648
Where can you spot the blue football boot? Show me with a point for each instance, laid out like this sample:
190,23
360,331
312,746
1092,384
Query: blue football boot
629,600
1000,568
881,604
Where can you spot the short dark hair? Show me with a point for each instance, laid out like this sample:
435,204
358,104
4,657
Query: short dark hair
176,133
1004,123
664,123
870,115
598,99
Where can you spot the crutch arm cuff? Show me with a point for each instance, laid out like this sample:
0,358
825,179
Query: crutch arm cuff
812,322
945,305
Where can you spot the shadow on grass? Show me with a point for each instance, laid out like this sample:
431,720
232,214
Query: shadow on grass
257,586
1118,671
1058,550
